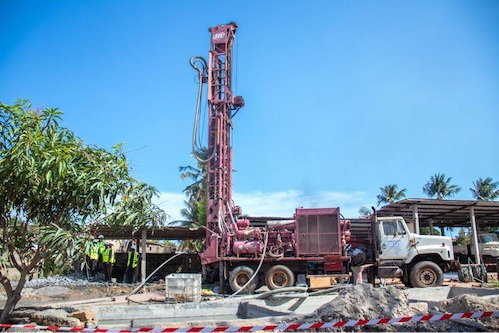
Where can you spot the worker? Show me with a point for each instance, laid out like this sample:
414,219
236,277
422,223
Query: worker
94,256
101,246
131,265
108,261
88,249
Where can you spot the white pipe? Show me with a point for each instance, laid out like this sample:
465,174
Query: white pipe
257,269
157,269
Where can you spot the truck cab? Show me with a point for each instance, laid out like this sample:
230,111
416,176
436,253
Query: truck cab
488,244
418,260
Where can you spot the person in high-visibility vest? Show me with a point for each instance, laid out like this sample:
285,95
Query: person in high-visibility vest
132,265
93,254
108,260
100,247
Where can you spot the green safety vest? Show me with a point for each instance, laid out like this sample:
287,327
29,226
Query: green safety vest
108,255
135,261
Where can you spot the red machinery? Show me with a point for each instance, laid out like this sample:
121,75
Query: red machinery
314,243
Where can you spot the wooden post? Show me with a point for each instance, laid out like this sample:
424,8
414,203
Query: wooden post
442,231
143,242
430,224
474,235
416,219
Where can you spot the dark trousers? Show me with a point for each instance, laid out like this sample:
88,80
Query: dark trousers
130,274
93,267
108,270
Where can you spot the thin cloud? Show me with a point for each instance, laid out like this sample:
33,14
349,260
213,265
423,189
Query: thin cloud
282,203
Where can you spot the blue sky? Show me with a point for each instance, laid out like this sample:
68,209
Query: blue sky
341,97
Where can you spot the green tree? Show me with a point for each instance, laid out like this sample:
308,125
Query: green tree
440,187
53,188
389,194
485,189
462,238
364,211
194,213
426,231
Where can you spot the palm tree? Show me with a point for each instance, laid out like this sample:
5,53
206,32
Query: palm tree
389,194
194,213
364,211
440,187
485,189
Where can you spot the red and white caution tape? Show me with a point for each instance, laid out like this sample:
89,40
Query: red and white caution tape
282,327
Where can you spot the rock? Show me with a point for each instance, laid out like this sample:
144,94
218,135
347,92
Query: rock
56,318
83,316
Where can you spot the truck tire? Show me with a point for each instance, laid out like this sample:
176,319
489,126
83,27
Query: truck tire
239,276
279,276
426,274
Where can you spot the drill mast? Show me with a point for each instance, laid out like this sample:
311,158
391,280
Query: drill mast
217,73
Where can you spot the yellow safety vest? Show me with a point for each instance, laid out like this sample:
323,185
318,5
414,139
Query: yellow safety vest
135,261
108,255
94,252
101,246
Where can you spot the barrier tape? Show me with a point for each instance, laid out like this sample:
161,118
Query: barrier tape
282,327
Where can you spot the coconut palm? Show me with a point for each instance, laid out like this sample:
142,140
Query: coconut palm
485,189
389,194
194,212
440,187
364,211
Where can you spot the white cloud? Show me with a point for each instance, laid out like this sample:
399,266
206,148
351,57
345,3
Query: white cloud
281,203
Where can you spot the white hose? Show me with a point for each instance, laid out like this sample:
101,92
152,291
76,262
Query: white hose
257,269
147,278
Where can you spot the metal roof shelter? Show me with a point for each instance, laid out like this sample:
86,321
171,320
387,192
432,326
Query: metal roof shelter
446,213
168,232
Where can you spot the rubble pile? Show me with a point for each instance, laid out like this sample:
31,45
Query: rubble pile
366,302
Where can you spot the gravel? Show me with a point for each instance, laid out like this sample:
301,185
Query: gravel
71,280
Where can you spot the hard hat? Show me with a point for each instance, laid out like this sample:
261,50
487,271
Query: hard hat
101,236
109,244
95,240
133,247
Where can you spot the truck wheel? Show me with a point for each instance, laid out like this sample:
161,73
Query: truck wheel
279,276
426,274
239,276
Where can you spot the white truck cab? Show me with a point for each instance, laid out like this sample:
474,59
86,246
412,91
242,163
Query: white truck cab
421,259
488,244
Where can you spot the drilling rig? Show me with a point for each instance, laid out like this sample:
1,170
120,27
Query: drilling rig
241,252
316,244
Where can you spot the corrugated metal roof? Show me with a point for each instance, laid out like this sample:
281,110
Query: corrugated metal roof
449,213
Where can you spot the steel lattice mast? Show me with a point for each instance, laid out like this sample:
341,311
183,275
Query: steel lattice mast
221,104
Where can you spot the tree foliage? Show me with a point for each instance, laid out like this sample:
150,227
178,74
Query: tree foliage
194,212
53,188
364,211
485,189
389,194
440,187
426,231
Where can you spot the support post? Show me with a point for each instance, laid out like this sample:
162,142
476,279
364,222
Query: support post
416,219
143,243
430,224
442,231
474,235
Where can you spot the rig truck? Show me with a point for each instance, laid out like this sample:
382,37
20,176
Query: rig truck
318,243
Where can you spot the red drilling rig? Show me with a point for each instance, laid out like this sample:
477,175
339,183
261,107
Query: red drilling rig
247,256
